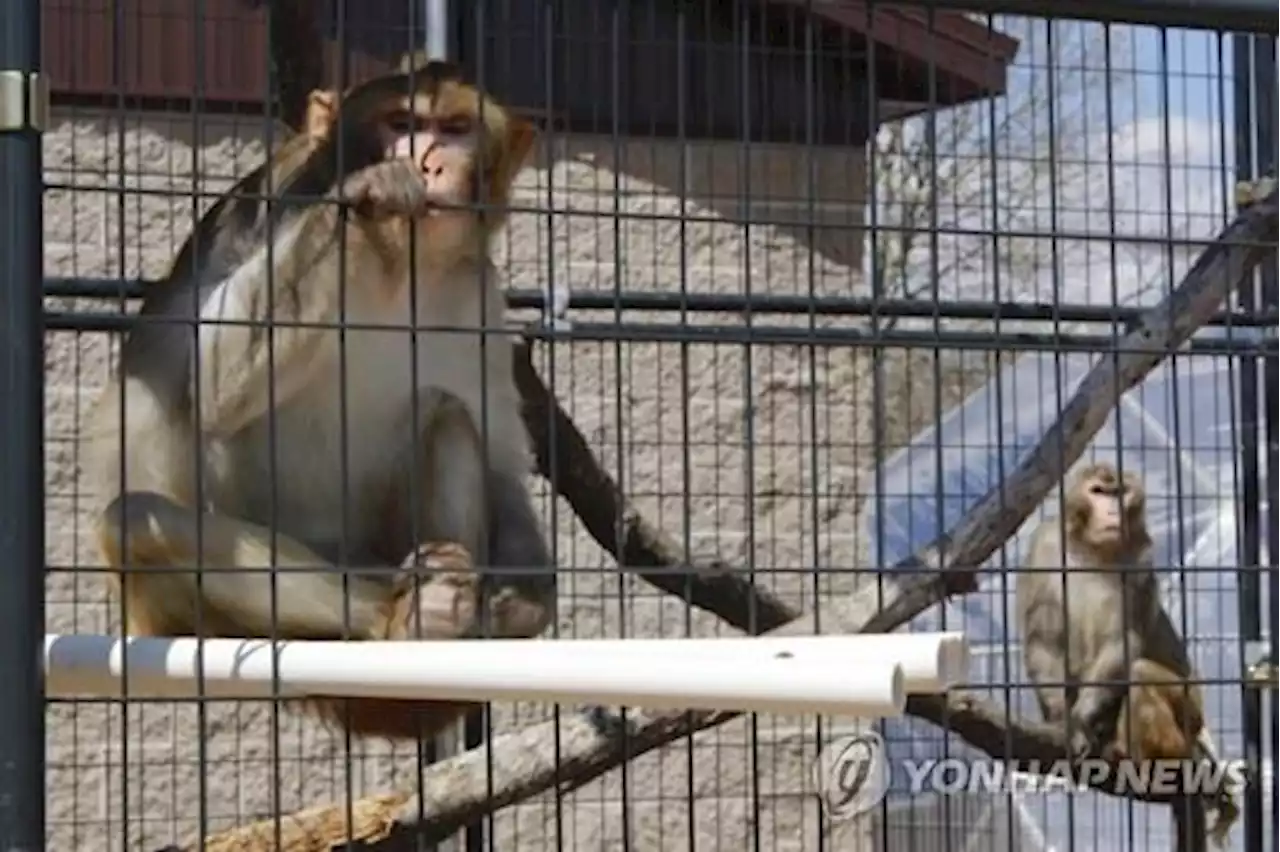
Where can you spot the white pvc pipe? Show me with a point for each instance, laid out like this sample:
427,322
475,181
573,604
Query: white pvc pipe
931,662
530,670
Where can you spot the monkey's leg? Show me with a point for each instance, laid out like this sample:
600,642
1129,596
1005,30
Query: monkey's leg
437,508
448,509
523,600
442,492
489,510
1160,714
443,607
171,542
1103,687
459,504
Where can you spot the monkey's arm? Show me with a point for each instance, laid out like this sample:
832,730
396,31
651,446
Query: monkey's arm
273,316
1042,622
1103,686
1045,666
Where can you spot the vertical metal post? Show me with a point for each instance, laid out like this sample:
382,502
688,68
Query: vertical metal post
1265,119
1251,488
23,114
435,28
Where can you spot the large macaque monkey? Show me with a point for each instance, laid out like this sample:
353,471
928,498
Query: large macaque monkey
285,456
1104,655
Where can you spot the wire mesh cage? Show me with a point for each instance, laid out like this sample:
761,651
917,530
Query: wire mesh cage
813,305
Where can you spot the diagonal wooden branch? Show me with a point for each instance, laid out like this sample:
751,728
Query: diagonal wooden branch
572,751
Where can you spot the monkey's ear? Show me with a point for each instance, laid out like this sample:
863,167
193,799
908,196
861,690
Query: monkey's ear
412,61
322,109
1077,510
521,136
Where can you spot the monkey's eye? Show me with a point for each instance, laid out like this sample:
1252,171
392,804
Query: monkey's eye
402,123
459,125
407,123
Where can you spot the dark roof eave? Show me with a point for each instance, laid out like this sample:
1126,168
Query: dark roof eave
973,56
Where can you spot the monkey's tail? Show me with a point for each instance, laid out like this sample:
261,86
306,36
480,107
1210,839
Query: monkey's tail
1223,803
389,718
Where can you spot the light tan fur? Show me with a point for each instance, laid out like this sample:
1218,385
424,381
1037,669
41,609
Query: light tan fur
318,445
1105,658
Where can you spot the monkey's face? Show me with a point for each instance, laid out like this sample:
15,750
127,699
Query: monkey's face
1107,511
443,141
466,147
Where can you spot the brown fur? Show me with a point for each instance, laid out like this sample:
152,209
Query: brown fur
1105,658
1160,716
383,565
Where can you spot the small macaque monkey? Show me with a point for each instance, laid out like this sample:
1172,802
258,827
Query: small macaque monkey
1105,658
267,472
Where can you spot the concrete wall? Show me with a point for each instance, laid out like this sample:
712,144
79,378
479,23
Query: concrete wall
785,497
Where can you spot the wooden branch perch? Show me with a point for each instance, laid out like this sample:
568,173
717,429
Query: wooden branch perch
585,745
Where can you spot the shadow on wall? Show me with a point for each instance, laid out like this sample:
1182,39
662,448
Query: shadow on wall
810,195
786,217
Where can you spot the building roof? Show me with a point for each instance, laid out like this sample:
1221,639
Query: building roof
971,58
90,51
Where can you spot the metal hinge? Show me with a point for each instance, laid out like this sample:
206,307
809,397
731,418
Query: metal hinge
24,101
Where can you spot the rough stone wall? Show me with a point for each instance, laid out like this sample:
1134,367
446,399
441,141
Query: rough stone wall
752,454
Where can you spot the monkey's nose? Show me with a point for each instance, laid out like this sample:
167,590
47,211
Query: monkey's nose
428,170
424,162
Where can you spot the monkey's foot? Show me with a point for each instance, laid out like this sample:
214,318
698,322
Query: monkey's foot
1228,808
436,596
1081,744
1227,813
1253,191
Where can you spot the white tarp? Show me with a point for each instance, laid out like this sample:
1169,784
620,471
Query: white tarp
1180,434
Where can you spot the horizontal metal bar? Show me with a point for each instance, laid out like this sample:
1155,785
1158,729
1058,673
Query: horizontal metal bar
95,288
818,306
1257,16
1005,341
716,219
